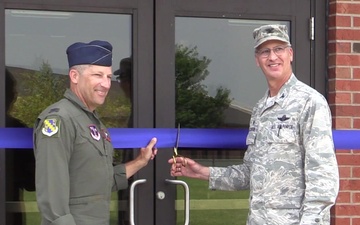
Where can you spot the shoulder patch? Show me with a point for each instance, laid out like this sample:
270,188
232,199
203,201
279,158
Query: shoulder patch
50,127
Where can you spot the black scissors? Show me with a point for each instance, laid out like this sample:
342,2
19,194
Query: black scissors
176,144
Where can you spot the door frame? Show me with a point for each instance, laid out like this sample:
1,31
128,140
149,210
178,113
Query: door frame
298,12
154,69
143,63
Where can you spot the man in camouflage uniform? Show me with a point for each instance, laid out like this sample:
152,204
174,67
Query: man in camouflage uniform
290,165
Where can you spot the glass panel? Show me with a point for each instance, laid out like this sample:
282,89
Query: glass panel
217,85
36,61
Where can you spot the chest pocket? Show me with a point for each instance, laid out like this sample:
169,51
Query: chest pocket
91,139
282,133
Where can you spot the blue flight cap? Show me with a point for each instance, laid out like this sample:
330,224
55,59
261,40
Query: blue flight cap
92,53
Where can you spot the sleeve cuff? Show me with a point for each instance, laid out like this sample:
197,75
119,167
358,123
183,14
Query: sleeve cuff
211,179
311,220
68,219
121,181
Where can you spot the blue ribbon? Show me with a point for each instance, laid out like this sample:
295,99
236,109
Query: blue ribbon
19,138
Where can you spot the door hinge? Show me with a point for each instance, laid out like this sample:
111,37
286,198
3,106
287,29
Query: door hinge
312,28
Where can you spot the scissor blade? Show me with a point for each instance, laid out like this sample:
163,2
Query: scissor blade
177,137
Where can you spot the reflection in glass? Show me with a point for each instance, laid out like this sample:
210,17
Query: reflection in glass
20,163
217,85
36,59
124,77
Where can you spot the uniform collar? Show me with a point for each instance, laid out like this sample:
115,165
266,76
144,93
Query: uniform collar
75,99
283,92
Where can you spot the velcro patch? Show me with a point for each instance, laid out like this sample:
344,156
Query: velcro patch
50,127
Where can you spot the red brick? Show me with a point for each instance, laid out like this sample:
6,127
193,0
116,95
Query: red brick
356,21
342,123
343,197
355,221
347,110
347,8
347,85
350,185
356,123
332,8
343,98
347,210
342,21
355,197
345,171
344,60
356,172
344,34
356,73
339,47
340,221
348,159
331,84
356,98
340,72
331,97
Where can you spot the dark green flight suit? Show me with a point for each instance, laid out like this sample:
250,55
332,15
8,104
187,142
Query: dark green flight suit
74,171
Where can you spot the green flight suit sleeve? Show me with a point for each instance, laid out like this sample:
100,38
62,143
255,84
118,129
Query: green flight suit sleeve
53,144
120,181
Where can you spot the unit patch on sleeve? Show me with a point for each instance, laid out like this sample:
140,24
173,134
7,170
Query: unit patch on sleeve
50,127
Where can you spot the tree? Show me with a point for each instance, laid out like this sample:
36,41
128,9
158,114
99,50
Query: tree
194,107
39,89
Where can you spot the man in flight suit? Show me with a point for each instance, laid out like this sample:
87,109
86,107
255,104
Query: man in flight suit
74,155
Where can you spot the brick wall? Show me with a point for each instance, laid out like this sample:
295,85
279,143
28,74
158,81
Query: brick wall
344,100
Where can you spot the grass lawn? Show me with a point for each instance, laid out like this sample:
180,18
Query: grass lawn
207,207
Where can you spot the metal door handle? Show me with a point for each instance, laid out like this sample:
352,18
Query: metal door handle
132,199
187,197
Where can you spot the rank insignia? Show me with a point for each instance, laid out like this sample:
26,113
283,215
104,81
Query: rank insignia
50,127
94,132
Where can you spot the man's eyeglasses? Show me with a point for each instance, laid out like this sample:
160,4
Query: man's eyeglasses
265,52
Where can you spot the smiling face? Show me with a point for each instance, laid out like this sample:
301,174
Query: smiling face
277,65
91,83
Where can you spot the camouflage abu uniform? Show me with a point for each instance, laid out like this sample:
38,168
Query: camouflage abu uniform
74,171
290,164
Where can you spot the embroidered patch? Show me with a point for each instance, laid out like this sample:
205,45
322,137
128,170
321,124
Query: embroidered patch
94,132
50,127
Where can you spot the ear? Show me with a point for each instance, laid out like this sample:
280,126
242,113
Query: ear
257,61
74,76
291,54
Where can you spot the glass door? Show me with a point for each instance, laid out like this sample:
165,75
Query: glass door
187,62
206,77
36,67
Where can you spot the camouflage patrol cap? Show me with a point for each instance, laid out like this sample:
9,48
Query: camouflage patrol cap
270,32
